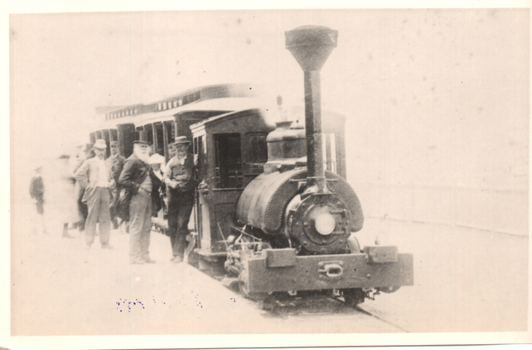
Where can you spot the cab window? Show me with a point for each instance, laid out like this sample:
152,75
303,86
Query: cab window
228,161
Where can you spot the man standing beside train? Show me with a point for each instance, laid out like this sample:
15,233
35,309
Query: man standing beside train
116,163
181,182
95,177
136,178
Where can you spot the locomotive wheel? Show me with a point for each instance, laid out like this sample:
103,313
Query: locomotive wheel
388,289
353,297
267,304
265,301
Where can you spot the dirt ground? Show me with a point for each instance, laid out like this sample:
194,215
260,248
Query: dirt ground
465,281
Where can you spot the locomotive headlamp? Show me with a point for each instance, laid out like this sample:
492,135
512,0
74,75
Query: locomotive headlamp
325,224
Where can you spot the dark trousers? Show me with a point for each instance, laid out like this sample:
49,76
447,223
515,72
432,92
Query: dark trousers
112,208
98,205
156,203
140,225
40,204
179,209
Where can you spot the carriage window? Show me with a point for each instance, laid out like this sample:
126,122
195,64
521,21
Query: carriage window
170,132
159,138
107,137
228,166
114,134
149,133
168,139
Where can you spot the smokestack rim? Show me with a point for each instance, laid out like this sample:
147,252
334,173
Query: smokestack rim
311,45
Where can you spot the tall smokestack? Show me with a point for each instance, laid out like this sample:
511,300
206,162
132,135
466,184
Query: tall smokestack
311,46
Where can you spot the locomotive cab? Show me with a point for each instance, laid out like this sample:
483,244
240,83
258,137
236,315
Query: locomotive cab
231,151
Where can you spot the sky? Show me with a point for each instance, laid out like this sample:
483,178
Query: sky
412,83
65,65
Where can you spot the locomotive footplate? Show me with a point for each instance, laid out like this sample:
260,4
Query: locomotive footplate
277,270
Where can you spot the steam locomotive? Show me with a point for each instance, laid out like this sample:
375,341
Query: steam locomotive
273,208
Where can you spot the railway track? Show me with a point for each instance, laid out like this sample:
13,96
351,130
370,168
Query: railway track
382,319
324,309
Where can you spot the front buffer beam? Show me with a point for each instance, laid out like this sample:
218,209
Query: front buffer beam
278,270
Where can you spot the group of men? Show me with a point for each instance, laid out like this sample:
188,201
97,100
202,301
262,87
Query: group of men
130,189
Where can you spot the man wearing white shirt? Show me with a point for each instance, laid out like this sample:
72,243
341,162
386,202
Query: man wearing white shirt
95,176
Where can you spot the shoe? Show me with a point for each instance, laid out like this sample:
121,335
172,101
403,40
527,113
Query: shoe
138,261
66,235
177,260
106,246
149,261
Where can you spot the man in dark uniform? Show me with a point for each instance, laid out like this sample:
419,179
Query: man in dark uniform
180,181
116,163
137,180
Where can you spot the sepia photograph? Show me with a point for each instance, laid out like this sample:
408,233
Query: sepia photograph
266,177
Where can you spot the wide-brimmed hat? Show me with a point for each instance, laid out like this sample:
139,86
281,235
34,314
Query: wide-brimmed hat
100,144
156,159
181,140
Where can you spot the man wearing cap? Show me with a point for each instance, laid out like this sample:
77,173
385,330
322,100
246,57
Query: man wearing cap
180,181
116,163
95,177
136,178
